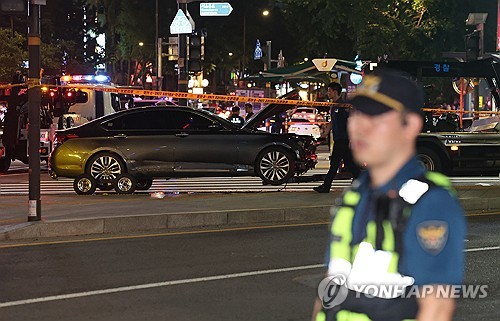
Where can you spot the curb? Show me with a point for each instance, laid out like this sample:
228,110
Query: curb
109,225
180,220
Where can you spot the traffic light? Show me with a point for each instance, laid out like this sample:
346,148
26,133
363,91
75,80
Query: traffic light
195,53
472,49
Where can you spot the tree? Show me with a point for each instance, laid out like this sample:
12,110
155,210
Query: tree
12,53
404,29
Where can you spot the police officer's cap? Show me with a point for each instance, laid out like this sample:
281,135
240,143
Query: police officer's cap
387,90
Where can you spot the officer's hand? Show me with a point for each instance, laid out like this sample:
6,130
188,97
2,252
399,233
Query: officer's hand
369,274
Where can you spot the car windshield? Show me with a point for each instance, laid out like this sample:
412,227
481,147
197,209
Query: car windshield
305,110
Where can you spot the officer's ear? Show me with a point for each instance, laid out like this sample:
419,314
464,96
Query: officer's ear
413,123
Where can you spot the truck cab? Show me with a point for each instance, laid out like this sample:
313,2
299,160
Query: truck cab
66,102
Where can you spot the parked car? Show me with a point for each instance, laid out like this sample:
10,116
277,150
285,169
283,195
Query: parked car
302,126
474,151
128,149
309,113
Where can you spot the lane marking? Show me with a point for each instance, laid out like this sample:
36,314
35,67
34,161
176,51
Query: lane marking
178,282
490,248
156,285
482,214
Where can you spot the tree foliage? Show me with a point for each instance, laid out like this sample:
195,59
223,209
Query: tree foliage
12,53
402,29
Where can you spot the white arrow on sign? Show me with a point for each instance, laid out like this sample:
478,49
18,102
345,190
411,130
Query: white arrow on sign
324,64
180,24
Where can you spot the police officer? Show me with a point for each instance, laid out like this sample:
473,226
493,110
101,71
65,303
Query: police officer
249,111
410,216
340,150
235,117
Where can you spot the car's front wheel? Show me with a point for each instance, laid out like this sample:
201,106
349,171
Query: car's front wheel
84,185
275,166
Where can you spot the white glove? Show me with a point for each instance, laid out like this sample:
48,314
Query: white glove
369,274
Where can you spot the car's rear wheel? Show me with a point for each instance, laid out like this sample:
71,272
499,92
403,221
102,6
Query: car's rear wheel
143,184
429,159
84,185
105,168
125,184
4,164
275,166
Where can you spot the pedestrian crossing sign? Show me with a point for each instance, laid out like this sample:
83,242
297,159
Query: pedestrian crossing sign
181,24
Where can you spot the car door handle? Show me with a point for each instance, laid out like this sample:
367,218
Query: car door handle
182,135
120,136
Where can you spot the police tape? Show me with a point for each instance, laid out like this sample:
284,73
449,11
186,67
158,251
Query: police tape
192,96
231,98
452,111
9,86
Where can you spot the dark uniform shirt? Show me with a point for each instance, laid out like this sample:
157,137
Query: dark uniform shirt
237,120
339,117
433,242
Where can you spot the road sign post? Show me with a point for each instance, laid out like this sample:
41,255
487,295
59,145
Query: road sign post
182,26
34,101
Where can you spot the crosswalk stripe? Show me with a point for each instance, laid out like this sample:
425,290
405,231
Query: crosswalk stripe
205,184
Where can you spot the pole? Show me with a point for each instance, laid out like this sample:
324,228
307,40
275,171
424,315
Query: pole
498,26
243,62
269,54
182,82
34,101
461,101
157,46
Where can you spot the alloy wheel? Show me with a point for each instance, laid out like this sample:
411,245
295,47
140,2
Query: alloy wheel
105,168
275,166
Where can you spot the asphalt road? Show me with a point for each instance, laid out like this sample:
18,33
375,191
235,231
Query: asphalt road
197,276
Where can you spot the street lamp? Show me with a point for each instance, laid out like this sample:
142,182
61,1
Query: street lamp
265,13
141,43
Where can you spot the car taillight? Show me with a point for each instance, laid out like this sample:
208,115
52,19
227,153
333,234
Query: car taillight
60,138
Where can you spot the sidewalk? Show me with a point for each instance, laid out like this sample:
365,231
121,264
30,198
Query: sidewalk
72,215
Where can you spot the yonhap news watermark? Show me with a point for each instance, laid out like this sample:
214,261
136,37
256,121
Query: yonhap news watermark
333,291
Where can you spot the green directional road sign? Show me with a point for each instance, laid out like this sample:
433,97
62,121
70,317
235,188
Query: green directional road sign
215,9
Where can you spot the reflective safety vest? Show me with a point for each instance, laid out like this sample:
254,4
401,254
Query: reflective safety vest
384,233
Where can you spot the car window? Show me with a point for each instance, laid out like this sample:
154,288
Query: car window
143,120
300,120
115,102
185,120
159,119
